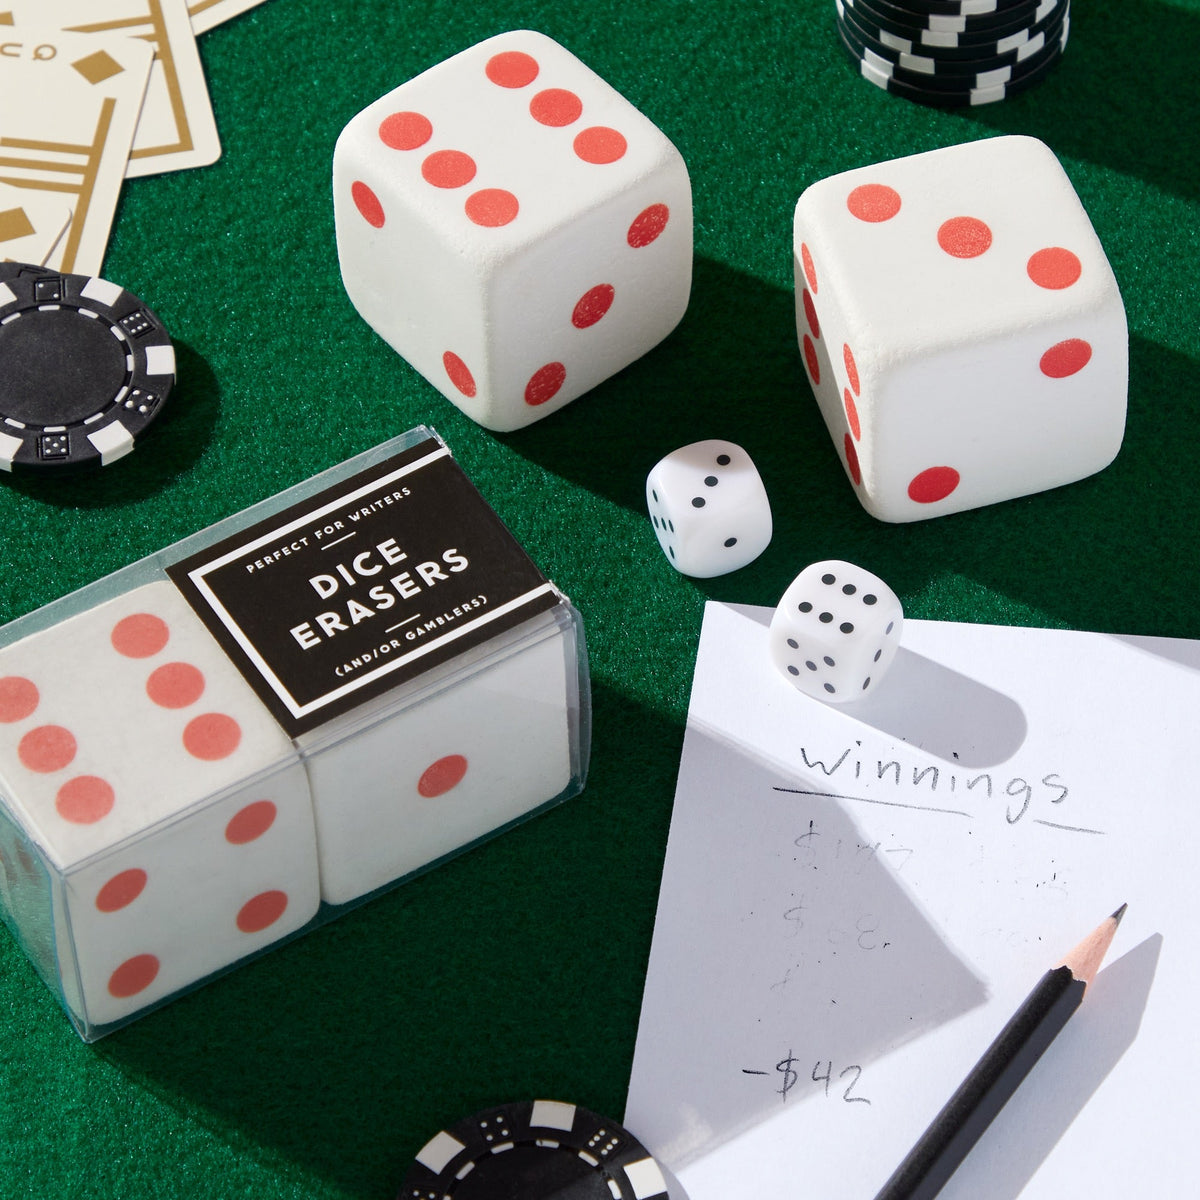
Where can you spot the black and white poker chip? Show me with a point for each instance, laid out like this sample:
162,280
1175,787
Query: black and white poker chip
953,74
534,1150
85,367
945,46
985,74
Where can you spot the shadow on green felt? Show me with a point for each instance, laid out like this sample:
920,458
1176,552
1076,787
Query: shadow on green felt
343,1052
1010,563
1082,109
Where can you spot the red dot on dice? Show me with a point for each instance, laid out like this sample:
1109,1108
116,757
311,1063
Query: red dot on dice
600,145
121,890
47,748
448,169
1054,268
18,698
512,69
592,305
134,975
811,360
491,207
851,369
262,911
933,484
85,799
405,130
367,203
544,383
141,635
211,736
810,313
459,373
810,271
852,414
1066,358
964,237
873,202
852,460
647,225
439,777
555,107
251,822
175,685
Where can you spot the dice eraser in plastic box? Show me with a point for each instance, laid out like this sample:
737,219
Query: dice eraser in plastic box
228,742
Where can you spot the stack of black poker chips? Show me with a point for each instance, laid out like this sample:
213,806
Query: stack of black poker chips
953,53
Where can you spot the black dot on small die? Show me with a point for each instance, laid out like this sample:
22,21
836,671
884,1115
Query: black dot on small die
792,670
848,589
846,627
730,542
671,551
723,460
829,579
870,598
891,626
671,525
710,481
828,661
697,501
804,606
825,618
655,520
878,655
830,688
795,645
866,683
654,494
812,666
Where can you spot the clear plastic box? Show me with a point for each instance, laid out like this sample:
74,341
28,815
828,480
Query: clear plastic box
229,742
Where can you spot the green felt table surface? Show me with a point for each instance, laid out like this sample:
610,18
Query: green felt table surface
516,970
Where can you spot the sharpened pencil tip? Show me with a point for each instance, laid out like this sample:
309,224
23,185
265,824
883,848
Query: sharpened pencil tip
1119,913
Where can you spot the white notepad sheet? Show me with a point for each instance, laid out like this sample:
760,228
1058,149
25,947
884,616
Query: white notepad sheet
856,899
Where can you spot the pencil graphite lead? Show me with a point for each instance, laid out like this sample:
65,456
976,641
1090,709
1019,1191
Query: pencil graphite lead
1084,961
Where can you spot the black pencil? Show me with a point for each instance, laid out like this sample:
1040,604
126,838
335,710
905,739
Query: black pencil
999,1072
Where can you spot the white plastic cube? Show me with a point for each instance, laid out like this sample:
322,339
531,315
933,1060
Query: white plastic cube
114,725
709,508
443,773
961,327
513,227
836,631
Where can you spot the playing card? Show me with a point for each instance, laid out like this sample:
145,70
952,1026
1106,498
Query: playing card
177,128
71,104
207,13
31,223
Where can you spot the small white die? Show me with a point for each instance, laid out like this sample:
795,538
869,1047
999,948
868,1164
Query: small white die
836,631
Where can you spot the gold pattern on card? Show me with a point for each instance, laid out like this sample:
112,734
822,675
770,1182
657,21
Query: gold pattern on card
83,185
15,223
98,67
164,58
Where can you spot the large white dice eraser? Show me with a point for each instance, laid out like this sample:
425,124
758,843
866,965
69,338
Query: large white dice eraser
512,226
961,327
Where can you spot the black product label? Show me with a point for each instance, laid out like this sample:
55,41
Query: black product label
363,586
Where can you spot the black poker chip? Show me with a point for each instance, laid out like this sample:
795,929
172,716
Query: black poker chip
968,97
85,367
946,49
534,1150
956,63
951,75
1006,69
